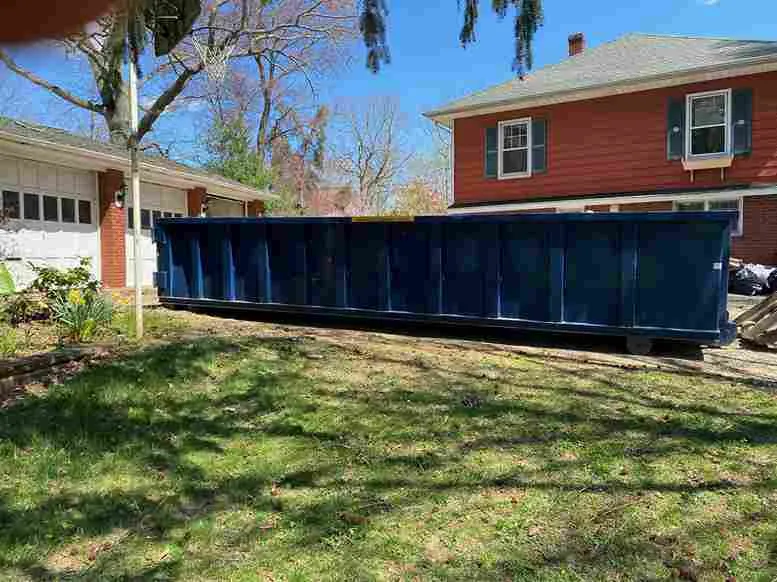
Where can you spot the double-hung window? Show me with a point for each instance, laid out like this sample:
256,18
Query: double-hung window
515,148
709,124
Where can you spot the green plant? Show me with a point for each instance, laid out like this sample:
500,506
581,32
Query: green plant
7,286
56,283
9,341
23,308
81,314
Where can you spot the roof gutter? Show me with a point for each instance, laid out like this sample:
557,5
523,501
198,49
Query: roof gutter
752,66
100,161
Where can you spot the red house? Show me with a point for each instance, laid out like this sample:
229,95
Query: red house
642,123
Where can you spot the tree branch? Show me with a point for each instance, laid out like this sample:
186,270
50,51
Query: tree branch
56,89
164,100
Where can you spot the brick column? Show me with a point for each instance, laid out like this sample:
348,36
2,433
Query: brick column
113,223
256,208
194,200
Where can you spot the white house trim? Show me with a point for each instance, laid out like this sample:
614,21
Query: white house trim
570,204
75,157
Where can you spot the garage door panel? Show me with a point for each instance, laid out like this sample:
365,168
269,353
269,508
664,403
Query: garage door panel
42,242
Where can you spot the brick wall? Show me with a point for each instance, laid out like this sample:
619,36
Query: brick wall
256,208
758,243
647,207
113,224
194,200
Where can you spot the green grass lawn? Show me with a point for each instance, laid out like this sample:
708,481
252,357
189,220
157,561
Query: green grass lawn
385,458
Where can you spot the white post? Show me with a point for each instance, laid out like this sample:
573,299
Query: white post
135,191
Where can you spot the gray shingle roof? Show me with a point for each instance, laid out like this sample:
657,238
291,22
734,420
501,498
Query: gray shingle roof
630,58
60,136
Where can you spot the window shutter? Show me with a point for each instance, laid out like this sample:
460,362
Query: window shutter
539,150
742,121
492,152
675,130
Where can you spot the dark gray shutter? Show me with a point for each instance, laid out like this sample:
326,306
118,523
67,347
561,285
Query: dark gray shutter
492,152
675,130
742,121
539,149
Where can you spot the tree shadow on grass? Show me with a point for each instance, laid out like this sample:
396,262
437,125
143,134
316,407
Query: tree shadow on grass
150,409
128,408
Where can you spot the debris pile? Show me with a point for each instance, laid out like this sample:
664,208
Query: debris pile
759,323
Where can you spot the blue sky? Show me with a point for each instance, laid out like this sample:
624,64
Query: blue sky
429,67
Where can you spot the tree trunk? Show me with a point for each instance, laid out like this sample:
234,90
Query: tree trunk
262,136
263,144
117,116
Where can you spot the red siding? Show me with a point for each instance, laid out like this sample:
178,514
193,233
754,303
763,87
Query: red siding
613,145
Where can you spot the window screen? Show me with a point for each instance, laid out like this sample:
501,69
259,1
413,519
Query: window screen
145,218
11,205
31,207
709,121
514,148
157,215
84,212
68,210
50,211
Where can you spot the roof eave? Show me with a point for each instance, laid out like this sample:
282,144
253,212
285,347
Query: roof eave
739,68
100,161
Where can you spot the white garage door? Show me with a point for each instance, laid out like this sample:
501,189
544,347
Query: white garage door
155,202
52,217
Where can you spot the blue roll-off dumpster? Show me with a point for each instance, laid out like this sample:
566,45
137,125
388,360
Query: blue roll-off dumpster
642,276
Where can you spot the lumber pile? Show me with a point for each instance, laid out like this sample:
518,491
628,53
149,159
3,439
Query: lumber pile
759,323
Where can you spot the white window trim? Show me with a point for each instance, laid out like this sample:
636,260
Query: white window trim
741,207
500,148
59,196
689,120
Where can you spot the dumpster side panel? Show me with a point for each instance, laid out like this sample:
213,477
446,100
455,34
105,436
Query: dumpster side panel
410,267
592,281
287,254
325,247
525,270
212,241
464,256
679,275
249,256
183,265
368,267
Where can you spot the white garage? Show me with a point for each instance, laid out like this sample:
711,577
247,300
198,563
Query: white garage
64,197
51,216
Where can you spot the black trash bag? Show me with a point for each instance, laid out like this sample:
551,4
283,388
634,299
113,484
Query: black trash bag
744,281
773,282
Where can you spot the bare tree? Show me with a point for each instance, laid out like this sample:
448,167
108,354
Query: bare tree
288,69
371,151
101,46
